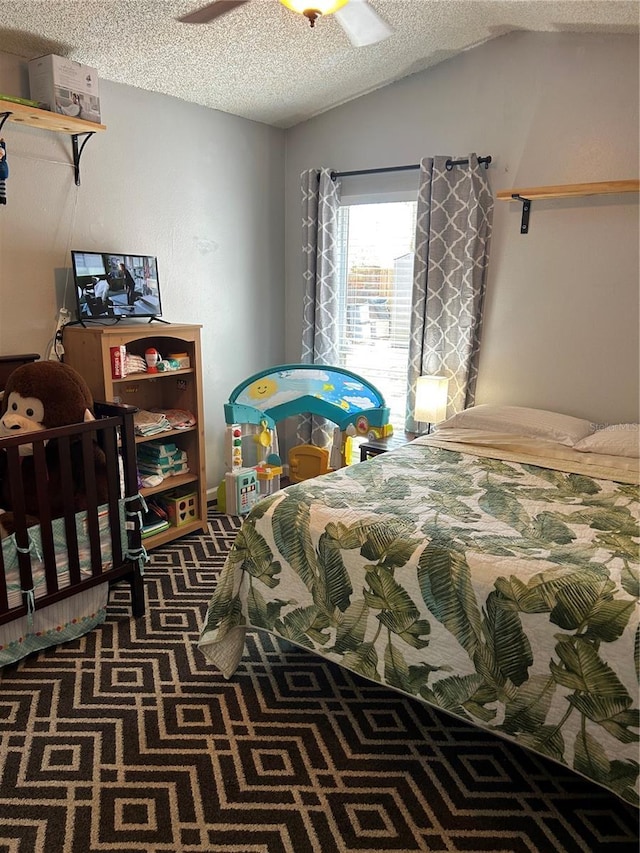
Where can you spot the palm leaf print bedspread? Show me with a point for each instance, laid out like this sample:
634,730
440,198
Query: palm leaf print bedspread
504,593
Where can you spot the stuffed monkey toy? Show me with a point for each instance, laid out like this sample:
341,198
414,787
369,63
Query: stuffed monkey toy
38,396
4,172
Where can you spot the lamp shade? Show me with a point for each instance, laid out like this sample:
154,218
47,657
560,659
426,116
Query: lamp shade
431,399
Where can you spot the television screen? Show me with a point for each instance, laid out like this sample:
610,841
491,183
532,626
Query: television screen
114,285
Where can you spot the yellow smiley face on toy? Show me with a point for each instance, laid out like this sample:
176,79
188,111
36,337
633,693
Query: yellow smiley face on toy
263,388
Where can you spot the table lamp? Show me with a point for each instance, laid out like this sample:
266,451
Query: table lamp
431,400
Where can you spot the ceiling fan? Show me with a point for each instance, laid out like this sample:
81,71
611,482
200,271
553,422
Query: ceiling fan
362,25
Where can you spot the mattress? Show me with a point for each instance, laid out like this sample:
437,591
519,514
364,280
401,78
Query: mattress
493,578
64,620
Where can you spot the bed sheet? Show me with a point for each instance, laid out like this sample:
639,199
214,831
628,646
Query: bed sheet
500,591
64,620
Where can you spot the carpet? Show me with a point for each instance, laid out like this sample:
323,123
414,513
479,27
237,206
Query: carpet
127,740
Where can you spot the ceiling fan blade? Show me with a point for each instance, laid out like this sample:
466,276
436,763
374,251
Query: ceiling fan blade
362,25
211,11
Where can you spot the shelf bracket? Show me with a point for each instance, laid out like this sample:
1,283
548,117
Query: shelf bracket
526,210
77,151
3,118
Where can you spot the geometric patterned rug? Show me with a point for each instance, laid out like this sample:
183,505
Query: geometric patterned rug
127,740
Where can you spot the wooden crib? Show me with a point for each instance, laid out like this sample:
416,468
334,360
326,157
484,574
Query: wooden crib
55,576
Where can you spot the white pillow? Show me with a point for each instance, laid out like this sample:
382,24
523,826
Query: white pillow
615,440
532,423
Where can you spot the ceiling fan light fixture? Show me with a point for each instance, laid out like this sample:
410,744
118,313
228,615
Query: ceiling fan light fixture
362,25
312,8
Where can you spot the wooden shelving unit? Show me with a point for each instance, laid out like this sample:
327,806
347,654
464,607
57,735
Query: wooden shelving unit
55,122
527,194
88,349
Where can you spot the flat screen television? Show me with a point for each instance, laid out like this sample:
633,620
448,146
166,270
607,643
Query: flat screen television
115,285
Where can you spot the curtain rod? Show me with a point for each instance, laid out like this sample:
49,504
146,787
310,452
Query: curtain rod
449,165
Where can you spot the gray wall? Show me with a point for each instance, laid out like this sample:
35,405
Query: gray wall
200,189
204,191
561,327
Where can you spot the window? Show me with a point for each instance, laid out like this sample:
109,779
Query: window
375,263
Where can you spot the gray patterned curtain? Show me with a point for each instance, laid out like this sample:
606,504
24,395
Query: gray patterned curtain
320,203
453,232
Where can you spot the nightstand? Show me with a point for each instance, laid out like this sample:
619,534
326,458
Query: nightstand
376,446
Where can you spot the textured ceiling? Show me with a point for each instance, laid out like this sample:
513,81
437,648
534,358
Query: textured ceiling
264,62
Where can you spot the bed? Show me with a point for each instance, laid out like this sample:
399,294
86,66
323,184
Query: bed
55,575
492,575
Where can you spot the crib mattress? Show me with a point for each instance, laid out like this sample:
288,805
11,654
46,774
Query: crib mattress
64,620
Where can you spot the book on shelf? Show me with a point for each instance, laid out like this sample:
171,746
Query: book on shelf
154,520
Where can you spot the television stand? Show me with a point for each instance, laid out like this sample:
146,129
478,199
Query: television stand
99,321
111,320
89,351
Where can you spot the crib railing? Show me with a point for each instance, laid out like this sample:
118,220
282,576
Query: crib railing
74,446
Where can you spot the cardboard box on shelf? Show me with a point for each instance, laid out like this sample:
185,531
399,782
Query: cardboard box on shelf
118,362
64,86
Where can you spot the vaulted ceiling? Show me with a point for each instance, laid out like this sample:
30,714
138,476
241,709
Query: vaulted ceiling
263,61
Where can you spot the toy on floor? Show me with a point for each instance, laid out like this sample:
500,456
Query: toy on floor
241,490
335,393
244,484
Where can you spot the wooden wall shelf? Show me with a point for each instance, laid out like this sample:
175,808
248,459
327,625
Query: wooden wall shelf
47,120
571,190
527,194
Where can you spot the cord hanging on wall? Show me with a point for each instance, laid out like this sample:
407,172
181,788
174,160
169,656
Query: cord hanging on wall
4,171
